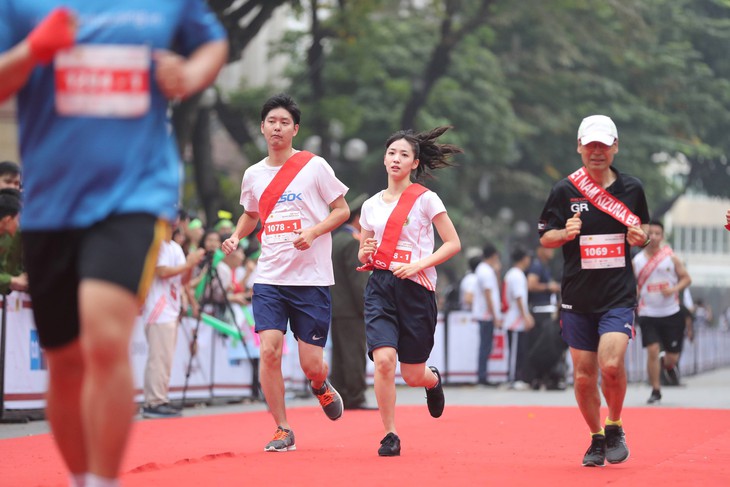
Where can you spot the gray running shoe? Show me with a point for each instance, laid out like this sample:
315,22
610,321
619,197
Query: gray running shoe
161,411
283,441
616,449
596,454
330,400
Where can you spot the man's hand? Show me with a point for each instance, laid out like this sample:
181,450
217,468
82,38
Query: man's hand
19,283
636,236
55,32
230,244
572,227
194,258
170,74
305,238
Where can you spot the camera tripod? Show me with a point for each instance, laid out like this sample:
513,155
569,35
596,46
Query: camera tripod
211,277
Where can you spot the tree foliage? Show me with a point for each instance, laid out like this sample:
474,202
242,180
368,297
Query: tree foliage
514,79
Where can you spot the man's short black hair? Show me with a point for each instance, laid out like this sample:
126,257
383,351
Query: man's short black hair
9,167
658,223
282,100
474,262
518,253
488,250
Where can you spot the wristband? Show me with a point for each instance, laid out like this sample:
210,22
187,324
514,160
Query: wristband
55,32
648,241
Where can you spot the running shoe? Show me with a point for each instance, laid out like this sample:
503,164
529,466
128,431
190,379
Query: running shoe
672,376
161,411
283,441
616,449
435,396
330,400
389,446
596,454
656,396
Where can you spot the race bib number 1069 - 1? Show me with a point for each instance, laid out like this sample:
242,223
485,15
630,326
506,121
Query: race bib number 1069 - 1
602,251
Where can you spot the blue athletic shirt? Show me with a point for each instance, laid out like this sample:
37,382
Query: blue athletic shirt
78,170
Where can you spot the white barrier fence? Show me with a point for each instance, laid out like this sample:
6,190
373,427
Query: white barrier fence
222,367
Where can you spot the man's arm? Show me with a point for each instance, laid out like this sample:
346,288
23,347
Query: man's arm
193,259
558,237
180,77
525,313
535,286
683,279
339,214
246,224
57,31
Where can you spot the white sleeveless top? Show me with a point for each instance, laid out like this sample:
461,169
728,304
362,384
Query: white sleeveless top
651,300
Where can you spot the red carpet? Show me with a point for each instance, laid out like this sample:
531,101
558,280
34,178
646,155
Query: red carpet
468,445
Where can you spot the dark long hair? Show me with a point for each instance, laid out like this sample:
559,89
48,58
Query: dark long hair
430,154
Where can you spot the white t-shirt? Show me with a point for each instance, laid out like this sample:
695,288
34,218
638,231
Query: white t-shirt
486,279
304,204
417,238
164,299
468,284
515,286
651,300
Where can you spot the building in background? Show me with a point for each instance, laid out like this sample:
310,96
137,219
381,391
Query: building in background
696,229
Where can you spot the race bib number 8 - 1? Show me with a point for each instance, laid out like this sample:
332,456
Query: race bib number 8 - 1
111,81
602,251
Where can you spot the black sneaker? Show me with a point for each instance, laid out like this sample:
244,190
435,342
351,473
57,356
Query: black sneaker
596,454
435,396
656,396
330,400
616,449
672,376
283,441
161,411
389,446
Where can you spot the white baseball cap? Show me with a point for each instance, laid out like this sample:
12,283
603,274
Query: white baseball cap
597,128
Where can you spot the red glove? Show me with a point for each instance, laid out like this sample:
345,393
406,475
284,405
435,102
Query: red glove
55,32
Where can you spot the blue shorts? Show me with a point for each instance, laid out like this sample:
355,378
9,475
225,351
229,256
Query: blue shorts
307,309
582,331
401,314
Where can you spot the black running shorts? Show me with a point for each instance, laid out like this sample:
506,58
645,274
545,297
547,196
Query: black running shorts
121,249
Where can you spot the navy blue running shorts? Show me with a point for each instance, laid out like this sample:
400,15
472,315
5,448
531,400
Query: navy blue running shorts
582,331
401,314
307,310
121,249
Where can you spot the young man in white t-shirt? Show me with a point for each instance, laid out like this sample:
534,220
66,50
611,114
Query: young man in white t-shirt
161,315
294,271
517,317
486,307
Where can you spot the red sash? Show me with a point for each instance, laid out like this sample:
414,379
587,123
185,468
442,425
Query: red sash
602,199
393,228
278,185
652,264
